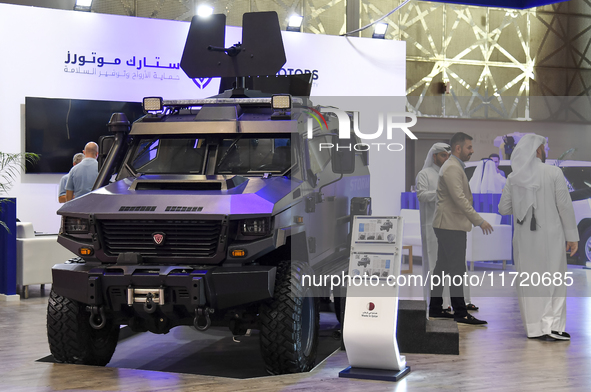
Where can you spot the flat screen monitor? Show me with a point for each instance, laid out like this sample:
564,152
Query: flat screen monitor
56,129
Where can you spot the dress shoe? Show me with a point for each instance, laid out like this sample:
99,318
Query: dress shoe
469,319
440,314
560,335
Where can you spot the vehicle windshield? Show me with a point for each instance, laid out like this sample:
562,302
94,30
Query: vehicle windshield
577,178
241,154
252,155
169,156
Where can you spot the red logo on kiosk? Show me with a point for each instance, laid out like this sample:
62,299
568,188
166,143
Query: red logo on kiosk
158,238
371,306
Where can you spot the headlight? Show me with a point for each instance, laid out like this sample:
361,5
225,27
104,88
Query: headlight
258,226
75,225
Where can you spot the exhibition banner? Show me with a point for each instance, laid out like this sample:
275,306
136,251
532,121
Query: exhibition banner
78,55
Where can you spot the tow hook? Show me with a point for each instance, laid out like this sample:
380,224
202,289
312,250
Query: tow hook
149,305
199,313
97,317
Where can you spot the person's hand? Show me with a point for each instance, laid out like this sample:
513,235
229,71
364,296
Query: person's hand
572,247
486,228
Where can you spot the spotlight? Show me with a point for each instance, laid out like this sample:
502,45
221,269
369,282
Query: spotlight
83,5
379,30
295,23
204,10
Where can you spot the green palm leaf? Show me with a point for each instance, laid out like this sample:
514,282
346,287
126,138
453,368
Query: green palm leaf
10,167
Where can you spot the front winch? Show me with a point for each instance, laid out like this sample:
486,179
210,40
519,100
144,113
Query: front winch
149,297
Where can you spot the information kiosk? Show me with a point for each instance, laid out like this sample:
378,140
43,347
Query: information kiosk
371,309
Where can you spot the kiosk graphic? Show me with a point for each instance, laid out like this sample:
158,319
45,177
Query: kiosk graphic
201,210
373,264
364,262
376,230
386,226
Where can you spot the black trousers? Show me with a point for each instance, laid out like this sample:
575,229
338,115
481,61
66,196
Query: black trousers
451,260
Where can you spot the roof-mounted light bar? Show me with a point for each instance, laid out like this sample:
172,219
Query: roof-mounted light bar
237,101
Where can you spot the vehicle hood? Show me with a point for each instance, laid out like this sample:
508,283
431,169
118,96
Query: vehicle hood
198,196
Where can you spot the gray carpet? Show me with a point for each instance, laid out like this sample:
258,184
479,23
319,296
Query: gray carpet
210,353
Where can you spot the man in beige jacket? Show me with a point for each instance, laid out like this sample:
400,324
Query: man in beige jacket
454,217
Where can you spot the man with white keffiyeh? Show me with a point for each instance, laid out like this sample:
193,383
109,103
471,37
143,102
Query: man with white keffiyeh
545,229
426,184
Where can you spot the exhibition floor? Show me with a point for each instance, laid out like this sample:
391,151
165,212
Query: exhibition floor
493,357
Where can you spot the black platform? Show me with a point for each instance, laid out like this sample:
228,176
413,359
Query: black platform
417,335
210,353
375,374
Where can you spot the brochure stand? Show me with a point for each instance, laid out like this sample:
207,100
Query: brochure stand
371,309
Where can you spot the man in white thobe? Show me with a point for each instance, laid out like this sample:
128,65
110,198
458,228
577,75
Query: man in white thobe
426,184
486,179
545,229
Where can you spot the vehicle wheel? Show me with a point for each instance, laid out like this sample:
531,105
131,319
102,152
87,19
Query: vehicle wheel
585,246
72,339
339,309
289,323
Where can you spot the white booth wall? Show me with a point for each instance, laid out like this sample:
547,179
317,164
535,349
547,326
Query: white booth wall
36,43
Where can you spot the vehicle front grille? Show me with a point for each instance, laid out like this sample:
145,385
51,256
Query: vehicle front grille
182,238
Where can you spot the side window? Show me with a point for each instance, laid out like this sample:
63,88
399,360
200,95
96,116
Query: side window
319,158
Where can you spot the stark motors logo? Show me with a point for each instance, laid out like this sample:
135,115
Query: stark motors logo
389,122
158,238
201,82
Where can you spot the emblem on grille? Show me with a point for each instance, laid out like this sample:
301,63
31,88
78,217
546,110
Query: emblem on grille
158,238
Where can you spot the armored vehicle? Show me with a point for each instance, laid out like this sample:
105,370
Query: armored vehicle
208,212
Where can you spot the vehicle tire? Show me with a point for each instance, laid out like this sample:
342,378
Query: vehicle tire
585,246
289,323
72,339
339,309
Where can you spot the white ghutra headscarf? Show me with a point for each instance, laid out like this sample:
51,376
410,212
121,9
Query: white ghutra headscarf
435,149
486,179
526,175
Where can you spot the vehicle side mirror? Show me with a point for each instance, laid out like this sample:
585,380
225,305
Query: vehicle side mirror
105,143
312,178
343,156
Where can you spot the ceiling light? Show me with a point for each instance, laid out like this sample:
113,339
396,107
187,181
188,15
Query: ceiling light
83,5
204,10
295,23
379,30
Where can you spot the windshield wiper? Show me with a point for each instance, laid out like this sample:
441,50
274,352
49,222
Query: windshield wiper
233,145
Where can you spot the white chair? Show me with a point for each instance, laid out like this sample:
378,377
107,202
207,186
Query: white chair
496,246
412,231
36,254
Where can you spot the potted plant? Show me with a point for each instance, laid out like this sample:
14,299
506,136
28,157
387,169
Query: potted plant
10,164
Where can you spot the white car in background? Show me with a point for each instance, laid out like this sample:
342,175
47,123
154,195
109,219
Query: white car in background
578,180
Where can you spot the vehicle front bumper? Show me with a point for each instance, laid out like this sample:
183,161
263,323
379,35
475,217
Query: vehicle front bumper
185,286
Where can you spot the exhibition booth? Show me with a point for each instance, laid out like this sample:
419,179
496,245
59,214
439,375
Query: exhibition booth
63,76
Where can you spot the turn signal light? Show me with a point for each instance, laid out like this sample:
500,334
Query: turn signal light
238,253
299,219
86,251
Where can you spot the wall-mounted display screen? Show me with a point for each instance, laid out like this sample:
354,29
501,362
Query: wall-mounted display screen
56,129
